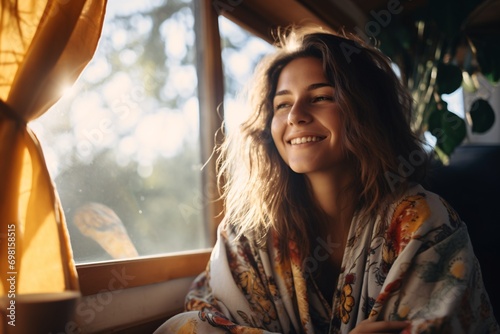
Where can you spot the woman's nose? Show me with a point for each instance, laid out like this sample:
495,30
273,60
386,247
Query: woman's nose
299,114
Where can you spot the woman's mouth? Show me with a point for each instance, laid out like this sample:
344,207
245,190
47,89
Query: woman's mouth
306,139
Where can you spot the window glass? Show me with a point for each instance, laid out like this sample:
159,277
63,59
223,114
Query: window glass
241,51
122,145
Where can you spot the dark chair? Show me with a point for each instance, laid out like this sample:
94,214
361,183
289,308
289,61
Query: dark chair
471,184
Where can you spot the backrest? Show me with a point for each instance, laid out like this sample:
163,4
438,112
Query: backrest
471,184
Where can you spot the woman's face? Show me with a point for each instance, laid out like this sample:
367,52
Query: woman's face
306,125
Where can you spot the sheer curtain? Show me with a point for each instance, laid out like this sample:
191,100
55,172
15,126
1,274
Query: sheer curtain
44,46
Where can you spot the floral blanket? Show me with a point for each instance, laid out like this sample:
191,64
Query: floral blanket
417,264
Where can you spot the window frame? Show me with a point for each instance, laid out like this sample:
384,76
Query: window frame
97,276
121,274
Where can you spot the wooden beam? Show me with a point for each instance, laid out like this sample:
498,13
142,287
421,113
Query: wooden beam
123,274
211,97
264,17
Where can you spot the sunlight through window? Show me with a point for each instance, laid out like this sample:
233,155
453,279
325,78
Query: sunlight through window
122,145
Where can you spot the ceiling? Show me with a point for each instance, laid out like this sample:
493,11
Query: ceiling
262,17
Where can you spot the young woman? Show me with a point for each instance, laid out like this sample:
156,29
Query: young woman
326,227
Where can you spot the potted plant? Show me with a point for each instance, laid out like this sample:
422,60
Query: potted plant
442,46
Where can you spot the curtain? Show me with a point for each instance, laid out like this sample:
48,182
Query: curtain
44,46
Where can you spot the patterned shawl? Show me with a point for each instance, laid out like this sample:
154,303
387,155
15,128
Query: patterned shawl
417,264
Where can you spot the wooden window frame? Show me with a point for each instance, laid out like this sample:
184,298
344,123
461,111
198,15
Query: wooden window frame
111,275
115,275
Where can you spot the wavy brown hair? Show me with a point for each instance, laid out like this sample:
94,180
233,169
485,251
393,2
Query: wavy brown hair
262,193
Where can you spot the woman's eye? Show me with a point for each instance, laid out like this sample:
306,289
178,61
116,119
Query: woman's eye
281,106
322,98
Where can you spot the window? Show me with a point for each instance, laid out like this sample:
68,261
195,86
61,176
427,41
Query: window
241,51
123,143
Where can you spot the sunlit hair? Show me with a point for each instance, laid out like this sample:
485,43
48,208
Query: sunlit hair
262,193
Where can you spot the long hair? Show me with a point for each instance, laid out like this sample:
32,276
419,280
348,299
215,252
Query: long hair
262,193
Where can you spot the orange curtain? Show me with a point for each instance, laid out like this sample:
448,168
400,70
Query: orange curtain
44,46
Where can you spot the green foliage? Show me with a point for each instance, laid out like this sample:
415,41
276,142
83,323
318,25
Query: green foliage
488,56
482,116
440,48
448,128
449,78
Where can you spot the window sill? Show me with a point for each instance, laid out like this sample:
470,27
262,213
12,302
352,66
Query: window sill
122,274
132,311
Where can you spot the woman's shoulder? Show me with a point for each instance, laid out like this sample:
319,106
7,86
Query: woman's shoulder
418,209
419,215
235,240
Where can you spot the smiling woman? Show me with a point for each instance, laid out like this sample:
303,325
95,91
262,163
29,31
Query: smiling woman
325,230
304,96
316,238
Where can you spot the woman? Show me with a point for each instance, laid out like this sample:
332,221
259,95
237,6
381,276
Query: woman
326,228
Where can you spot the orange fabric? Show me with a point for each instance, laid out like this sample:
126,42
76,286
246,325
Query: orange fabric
42,50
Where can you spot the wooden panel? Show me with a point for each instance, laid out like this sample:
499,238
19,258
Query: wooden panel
115,275
263,17
338,14
211,97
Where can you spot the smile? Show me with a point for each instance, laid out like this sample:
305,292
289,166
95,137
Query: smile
303,140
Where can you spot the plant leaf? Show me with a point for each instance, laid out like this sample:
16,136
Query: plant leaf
468,83
488,56
448,128
449,78
482,116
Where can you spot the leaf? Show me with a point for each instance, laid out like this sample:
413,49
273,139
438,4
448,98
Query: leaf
469,84
482,116
488,57
434,121
445,159
449,78
448,128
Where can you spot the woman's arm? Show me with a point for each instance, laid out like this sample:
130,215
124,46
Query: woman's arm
380,327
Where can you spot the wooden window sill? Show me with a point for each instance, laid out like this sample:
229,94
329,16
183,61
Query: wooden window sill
123,274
